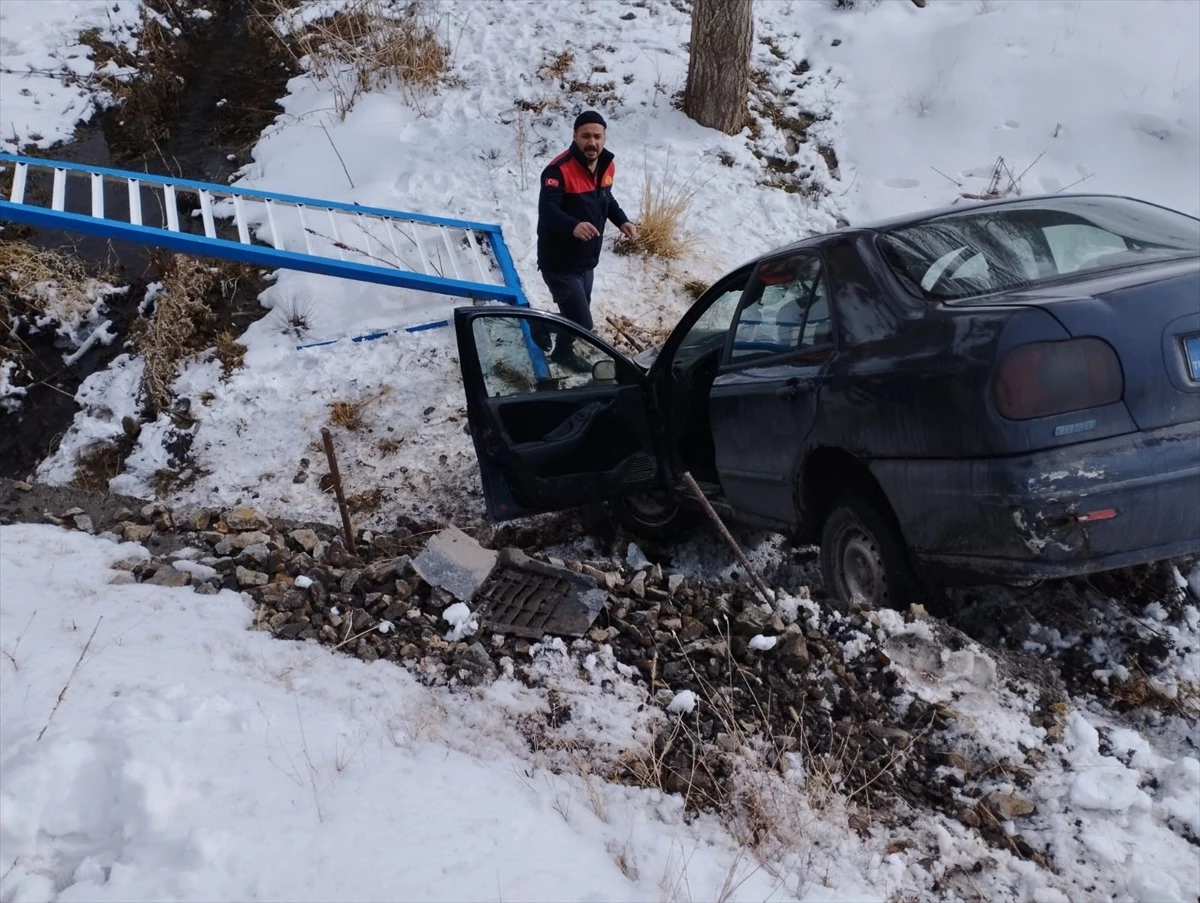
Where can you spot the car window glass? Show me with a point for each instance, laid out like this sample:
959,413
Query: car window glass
714,322
1074,245
508,348
818,325
1023,242
773,322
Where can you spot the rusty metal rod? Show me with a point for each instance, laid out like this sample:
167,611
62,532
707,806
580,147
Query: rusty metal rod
766,594
336,479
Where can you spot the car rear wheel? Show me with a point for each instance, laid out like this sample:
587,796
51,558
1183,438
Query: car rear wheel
863,558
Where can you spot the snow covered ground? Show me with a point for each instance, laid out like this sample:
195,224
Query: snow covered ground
192,759
271,770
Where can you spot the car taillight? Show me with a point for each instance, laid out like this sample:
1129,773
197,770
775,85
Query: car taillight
1045,378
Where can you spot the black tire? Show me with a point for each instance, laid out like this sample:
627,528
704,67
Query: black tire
863,553
652,515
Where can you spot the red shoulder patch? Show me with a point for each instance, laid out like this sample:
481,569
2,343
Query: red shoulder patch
551,182
608,180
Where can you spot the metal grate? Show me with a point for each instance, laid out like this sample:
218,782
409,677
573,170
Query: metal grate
530,598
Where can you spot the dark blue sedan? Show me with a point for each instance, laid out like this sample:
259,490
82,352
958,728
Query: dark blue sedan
1004,392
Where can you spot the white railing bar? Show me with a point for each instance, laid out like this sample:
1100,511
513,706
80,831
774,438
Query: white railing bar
420,250
239,214
172,210
304,227
59,196
337,236
276,238
135,201
97,196
478,258
450,252
210,228
18,186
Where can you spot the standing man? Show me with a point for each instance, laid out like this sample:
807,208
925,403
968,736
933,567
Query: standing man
574,203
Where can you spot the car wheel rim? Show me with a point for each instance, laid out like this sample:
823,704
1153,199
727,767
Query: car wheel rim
860,562
651,509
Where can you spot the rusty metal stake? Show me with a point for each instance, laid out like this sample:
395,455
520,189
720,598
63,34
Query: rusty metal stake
337,489
766,594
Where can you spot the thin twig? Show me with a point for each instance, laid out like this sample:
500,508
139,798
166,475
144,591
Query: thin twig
12,656
1076,182
70,677
339,156
1029,167
944,176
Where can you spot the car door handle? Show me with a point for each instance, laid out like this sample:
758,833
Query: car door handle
789,391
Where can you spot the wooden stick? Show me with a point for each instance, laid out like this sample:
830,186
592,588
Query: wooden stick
766,594
336,478
638,346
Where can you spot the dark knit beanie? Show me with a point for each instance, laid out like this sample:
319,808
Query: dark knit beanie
587,117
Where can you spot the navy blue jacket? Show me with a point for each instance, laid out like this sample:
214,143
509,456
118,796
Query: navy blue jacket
571,194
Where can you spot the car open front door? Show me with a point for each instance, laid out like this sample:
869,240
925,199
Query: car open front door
763,403
549,437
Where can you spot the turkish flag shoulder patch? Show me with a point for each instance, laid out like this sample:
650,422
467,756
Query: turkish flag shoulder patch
551,182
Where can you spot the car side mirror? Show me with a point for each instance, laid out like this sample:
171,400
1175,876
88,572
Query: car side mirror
604,371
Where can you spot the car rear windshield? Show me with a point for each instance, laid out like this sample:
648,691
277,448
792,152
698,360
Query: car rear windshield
963,255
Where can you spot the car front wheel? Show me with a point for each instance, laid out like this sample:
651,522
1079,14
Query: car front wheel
654,515
863,558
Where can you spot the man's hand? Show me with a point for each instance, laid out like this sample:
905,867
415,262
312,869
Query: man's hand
585,231
629,230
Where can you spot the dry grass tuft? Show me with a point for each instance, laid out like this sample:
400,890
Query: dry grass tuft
31,278
695,288
370,44
174,332
349,414
367,500
230,353
664,209
294,316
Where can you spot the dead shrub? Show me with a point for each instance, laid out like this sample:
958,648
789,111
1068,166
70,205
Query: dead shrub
664,208
695,288
368,45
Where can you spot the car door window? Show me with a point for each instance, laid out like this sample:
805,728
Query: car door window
507,352
712,325
786,309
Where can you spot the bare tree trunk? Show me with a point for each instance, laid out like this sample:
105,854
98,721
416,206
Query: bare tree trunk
718,79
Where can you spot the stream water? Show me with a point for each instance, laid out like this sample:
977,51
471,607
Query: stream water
232,77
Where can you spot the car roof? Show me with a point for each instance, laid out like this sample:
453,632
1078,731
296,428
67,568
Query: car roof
921,216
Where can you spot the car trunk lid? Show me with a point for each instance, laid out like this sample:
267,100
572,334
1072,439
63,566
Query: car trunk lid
1150,315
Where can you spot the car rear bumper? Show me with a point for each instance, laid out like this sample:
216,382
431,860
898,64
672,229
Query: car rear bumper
1084,508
